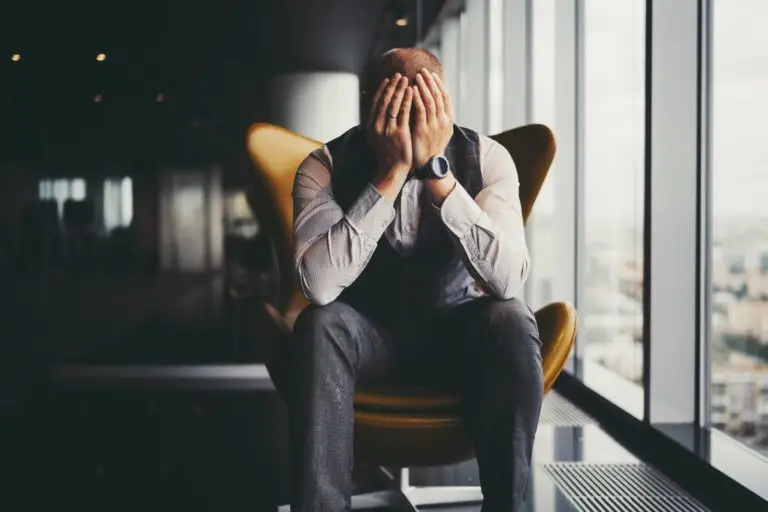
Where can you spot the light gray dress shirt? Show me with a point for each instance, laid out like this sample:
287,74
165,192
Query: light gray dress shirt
333,247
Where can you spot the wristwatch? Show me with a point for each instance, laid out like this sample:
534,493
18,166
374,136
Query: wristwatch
436,168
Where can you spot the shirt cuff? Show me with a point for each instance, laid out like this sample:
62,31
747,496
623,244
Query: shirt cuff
460,212
371,213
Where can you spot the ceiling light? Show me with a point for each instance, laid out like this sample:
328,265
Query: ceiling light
97,98
400,13
15,57
160,97
101,57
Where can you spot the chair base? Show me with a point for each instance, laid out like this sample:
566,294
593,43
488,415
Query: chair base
406,498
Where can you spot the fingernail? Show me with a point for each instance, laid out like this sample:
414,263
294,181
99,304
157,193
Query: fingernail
397,76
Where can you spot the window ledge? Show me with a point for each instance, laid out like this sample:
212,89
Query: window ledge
713,467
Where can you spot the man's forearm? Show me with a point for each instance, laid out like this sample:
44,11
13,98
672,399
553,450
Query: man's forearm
334,258
497,256
440,189
389,182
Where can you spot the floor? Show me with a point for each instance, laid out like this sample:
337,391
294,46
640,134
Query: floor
146,426
214,438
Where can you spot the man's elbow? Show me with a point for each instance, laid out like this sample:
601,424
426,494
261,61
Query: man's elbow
515,281
315,289
319,297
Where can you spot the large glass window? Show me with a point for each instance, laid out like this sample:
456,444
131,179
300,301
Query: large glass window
739,264
611,288
118,203
496,66
541,223
61,190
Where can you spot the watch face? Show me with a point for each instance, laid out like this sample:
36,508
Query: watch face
439,166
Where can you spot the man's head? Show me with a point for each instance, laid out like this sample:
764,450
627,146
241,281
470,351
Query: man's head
406,61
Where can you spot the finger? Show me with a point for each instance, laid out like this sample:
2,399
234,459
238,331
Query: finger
420,108
376,98
404,118
435,90
446,97
381,116
426,95
397,100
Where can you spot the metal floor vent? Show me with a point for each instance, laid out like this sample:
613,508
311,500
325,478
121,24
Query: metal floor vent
558,411
619,488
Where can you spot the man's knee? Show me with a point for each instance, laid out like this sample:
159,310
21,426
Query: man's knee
323,328
514,336
512,319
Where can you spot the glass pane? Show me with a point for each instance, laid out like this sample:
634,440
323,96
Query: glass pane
739,335
78,189
541,223
611,297
46,189
112,206
61,192
126,201
496,66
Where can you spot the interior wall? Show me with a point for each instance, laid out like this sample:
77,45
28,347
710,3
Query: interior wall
19,186
318,105
146,218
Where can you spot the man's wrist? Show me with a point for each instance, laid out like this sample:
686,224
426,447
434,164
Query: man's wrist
392,172
389,181
440,189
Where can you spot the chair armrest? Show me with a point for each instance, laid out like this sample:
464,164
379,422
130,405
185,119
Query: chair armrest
558,325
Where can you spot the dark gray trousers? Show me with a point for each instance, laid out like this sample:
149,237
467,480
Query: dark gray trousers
487,348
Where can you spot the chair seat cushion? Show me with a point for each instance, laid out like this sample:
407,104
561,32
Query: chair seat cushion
406,399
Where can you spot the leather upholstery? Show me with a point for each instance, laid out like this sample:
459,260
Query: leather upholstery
396,426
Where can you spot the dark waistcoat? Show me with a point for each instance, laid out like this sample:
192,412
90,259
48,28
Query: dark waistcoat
431,277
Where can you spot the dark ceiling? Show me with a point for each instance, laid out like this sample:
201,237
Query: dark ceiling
210,60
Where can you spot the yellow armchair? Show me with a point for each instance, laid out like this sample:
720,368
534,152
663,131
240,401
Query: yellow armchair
402,426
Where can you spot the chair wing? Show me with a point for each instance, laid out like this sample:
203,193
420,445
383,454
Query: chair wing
532,148
276,154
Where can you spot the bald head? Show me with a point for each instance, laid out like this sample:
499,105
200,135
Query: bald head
406,61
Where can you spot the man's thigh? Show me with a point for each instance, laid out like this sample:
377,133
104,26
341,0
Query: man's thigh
338,329
448,345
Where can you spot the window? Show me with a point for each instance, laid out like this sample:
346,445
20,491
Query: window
541,224
611,288
739,256
61,190
118,203
496,66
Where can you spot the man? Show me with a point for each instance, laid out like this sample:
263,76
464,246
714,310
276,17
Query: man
410,245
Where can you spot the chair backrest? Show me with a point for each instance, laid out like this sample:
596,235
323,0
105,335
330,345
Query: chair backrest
276,154
532,148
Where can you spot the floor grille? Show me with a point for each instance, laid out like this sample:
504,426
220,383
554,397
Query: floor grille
559,412
619,488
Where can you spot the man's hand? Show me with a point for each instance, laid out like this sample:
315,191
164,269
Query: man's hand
433,123
388,129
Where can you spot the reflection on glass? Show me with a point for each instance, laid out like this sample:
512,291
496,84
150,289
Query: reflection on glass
739,264
611,289
541,227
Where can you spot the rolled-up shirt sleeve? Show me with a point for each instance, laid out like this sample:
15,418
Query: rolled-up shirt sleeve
332,247
489,228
